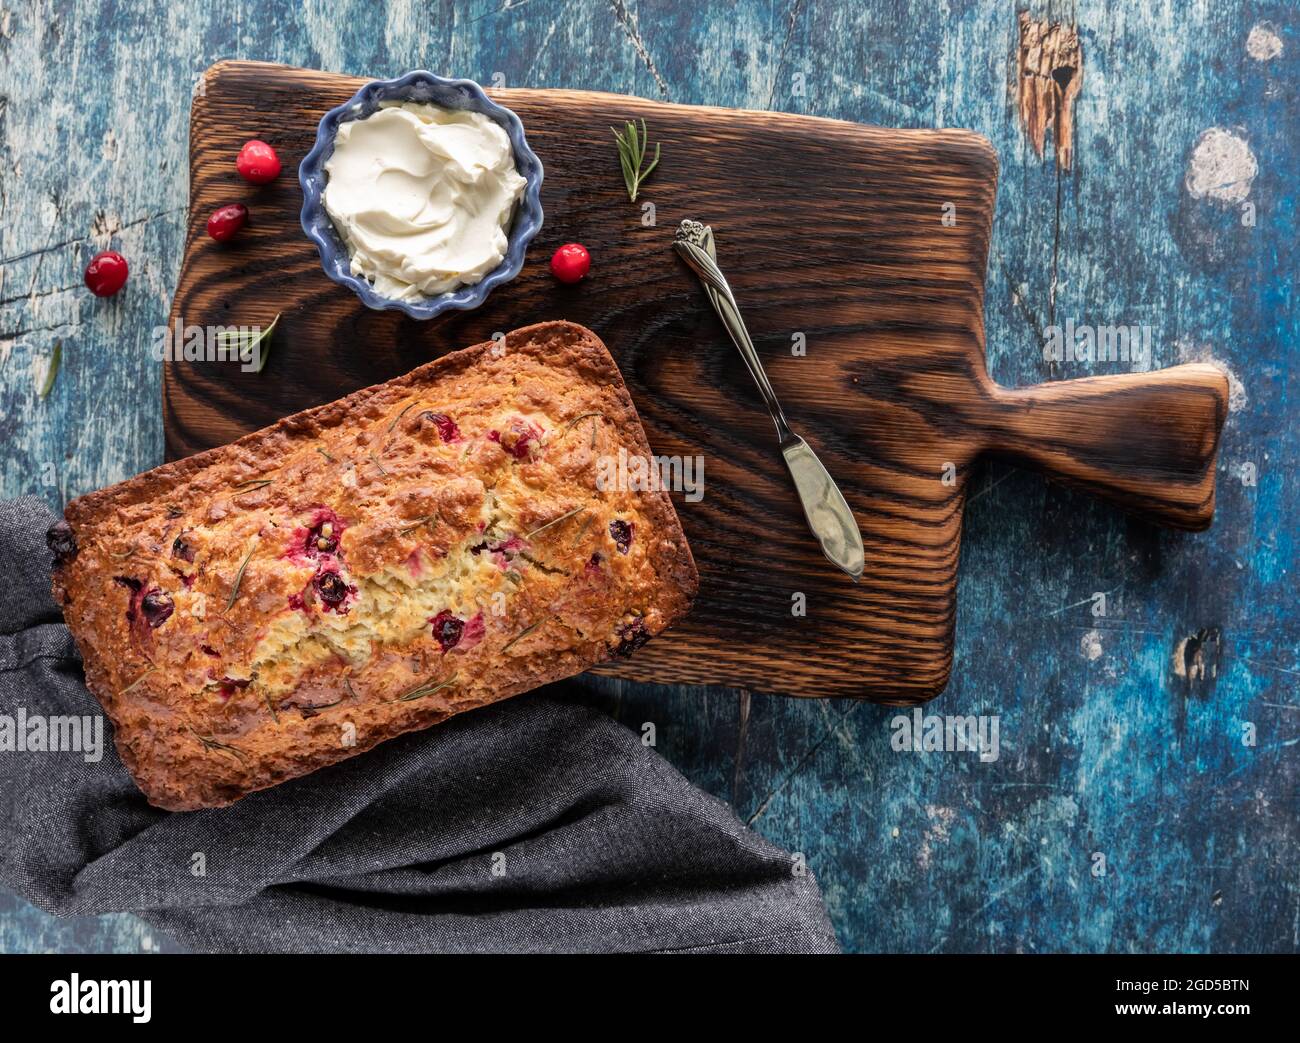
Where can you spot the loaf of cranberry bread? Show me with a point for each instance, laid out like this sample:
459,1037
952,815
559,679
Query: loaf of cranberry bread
369,567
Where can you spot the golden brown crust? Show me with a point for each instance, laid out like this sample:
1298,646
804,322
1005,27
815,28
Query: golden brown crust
261,610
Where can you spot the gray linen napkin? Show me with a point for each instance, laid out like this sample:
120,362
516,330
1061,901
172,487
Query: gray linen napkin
533,825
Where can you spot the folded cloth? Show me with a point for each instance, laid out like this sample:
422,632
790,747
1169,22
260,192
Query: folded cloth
532,825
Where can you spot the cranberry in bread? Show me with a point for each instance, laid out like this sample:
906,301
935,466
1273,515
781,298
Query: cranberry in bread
369,567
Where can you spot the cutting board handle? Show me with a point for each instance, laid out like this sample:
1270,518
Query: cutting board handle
1145,441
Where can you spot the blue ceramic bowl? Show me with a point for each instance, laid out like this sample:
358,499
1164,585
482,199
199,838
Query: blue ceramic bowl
451,94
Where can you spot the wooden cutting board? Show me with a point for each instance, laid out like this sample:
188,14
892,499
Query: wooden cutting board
830,233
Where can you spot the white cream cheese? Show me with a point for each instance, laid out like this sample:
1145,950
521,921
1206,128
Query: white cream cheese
422,197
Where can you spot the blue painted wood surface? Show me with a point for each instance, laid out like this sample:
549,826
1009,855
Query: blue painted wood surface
1106,749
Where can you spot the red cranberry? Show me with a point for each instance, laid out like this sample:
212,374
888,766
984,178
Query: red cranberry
62,542
133,602
631,636
157,608
226,221
571,262
502,552
322,538
474,631
517,437
182,548
447,429
302,702
228,686
593,563
257,162
621,532
330,587
106,273
447,629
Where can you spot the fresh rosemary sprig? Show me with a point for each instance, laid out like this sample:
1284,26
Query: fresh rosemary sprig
582,530
521,635
133,684
251,484
631,155
325,454
53,371
577,419
209,743
574,422
427,688
417,524
245,343
239,577
555,521
409,407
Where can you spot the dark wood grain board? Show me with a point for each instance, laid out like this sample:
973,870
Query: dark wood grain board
824,228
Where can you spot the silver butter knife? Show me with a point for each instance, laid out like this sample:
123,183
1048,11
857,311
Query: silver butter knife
824,506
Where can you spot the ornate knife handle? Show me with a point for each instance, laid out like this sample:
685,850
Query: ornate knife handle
694,243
